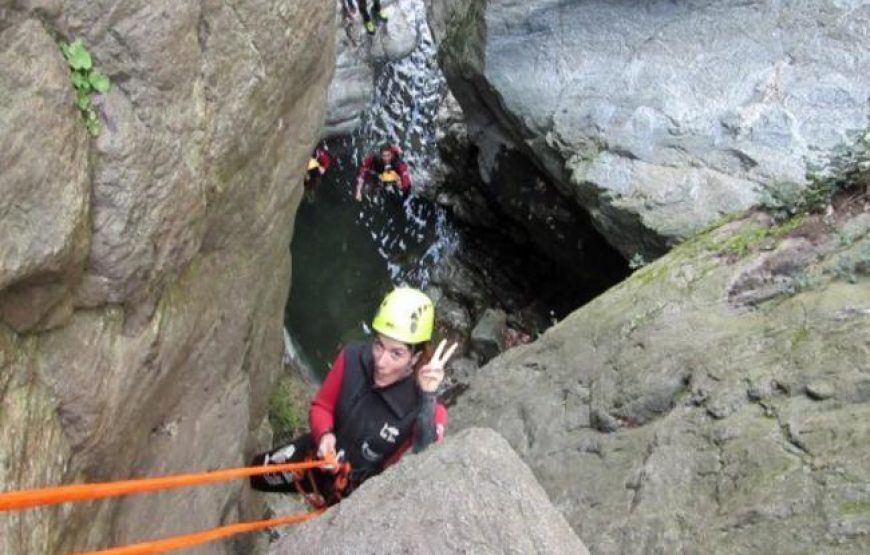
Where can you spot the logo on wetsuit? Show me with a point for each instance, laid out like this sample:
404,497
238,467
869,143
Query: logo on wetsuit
371,456
389,433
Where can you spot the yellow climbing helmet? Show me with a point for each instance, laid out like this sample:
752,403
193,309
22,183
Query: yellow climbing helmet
407,315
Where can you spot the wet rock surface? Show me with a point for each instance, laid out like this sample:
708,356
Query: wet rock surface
469,494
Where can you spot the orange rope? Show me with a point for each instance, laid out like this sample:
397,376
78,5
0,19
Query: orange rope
26,499
177,542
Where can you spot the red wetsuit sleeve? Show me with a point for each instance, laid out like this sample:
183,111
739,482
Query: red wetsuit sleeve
366,165
321,416
440,421
405,175
440,428
323,159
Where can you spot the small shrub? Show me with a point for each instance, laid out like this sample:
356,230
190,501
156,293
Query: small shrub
288,409
845,269
846,171
803,281
842,237
637,261
86,81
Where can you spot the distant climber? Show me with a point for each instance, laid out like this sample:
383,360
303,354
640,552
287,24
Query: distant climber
317,166
386,167
377,401
371,18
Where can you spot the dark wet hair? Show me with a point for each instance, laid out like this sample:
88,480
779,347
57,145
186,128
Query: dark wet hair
426,352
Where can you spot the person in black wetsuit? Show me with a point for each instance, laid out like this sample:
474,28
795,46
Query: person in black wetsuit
377,401
371,18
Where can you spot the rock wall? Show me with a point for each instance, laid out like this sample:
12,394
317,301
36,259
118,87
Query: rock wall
143,273
716,402
352,89
656,117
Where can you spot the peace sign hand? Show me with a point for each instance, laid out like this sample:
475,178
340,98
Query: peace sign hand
431,375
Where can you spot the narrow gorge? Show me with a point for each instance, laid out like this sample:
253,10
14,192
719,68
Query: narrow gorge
646,224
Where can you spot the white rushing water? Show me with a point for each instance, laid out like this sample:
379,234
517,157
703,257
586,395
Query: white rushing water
407,95
347,254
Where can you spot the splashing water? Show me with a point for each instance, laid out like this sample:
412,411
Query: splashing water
407,95
346,255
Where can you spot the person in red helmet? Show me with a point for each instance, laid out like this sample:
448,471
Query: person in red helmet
386,167
377,401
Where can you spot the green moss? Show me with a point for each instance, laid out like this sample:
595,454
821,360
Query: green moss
738,245
288,408
748,239
464,35
651,272
856,508
799,336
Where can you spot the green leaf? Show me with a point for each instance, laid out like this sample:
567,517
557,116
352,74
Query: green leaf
92,116
78,56
80,82
84,101
99,81
93,127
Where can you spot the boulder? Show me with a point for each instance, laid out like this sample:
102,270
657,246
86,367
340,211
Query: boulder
471,494
488,335
656,118
670,416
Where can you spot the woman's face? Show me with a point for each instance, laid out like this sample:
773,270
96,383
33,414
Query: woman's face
393,360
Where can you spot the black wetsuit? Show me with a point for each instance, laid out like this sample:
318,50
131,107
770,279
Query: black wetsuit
373,425
376,9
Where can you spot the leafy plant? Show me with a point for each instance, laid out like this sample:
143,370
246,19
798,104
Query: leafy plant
787,200
846,269
288,408
86,81
848,170
637,261
843,237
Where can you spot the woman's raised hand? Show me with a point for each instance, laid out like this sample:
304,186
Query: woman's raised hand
431,374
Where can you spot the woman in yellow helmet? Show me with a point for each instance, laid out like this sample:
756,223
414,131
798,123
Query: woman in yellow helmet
378,400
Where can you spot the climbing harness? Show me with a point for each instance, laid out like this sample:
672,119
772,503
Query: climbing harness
312,495
26,499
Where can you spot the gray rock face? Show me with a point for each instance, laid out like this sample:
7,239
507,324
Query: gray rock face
471,494
44,182
668,417
352,88
143,273
657,117
488,335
